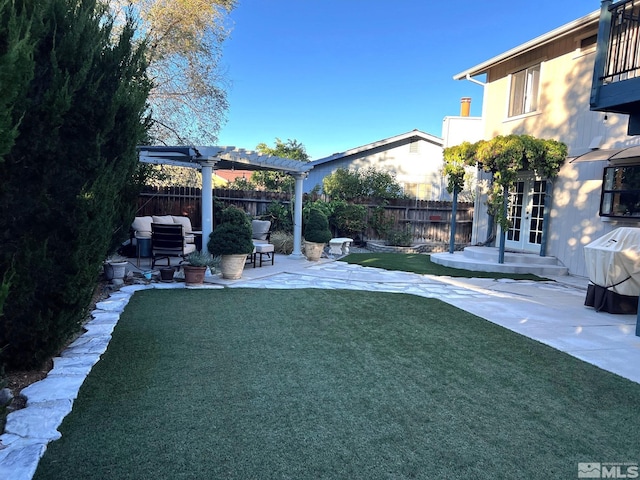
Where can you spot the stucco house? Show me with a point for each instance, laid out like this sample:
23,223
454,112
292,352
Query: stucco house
543,88
414,157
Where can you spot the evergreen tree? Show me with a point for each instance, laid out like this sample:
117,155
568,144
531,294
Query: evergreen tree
67,183
16,70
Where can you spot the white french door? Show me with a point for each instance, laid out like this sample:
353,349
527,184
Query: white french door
526,215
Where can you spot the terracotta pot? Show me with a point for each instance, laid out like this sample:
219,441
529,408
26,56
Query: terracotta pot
232,266
194,275
313,251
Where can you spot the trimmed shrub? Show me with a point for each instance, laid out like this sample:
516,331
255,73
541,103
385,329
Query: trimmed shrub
317,227
233,235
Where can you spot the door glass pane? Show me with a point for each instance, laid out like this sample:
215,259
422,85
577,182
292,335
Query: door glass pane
537,212
516,199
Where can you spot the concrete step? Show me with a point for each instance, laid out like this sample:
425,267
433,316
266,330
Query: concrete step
490,254
488,262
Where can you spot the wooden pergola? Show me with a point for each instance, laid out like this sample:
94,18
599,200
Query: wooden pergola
210,158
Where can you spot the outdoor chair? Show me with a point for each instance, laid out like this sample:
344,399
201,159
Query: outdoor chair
261,241
168,240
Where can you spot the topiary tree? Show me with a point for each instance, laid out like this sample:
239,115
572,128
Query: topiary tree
233,235
316,228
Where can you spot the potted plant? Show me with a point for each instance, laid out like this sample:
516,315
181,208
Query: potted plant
196,267
232,241
115,268
316,234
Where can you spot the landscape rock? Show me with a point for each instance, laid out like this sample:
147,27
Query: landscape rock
5,396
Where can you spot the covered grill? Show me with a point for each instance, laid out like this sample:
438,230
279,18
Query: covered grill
613,264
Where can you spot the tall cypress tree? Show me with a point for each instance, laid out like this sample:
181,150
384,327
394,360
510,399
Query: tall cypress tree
67,182
16,69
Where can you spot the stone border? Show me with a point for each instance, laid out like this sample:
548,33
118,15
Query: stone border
30,429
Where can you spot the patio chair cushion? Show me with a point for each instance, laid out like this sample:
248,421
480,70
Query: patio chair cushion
260,229
163,219
186,228
141,227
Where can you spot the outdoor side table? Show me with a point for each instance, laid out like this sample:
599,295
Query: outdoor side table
143,246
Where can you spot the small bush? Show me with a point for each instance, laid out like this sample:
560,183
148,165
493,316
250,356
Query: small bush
282,242
380,221
349,218
400,238
280,216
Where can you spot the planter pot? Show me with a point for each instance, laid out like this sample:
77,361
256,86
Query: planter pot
166,274
194,275
313,251
114,270
232,266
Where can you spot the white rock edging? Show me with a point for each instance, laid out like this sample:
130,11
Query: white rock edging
29,430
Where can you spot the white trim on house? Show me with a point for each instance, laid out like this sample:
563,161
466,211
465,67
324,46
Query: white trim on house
380,143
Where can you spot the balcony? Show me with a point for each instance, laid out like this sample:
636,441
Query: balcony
616,76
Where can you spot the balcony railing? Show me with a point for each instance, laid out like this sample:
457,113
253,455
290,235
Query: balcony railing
623,53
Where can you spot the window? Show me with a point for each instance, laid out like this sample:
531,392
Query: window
414,147
524,91
621,191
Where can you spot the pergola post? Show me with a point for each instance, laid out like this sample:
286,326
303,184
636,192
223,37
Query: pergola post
297,217
207,200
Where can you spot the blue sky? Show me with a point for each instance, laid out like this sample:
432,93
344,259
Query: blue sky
337,74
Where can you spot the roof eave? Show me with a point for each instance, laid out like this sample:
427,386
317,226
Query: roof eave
381,143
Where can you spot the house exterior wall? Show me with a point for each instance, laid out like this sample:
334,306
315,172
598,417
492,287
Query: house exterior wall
419,171
456,130
562,114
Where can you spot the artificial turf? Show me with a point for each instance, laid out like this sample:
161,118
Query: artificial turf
298,384
422,264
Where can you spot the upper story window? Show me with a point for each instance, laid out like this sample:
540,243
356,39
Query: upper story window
621,191
589,42
524,91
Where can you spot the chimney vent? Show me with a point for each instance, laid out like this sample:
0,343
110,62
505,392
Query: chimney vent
465,106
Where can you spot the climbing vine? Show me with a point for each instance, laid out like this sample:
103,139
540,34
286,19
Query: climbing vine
505,157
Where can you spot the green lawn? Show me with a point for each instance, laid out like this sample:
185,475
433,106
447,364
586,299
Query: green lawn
300,384
422,264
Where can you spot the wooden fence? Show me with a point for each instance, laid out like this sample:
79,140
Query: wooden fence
429,221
